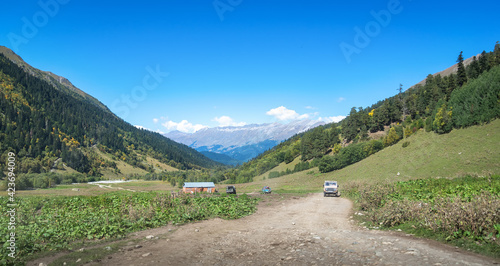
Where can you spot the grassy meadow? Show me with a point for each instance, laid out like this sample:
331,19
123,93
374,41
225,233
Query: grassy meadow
471,151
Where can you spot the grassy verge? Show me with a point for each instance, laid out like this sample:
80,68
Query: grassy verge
464,211
54,223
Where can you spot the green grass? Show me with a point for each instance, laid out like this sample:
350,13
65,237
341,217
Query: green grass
463,211
71,186
54,223
471,151
281,167
127,169
475,150
142,184
487,249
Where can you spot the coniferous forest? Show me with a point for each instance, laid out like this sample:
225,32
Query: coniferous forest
41,124
471,96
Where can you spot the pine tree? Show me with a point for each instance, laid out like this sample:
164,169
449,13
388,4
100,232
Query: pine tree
473,70
350,126
495,59
402,102
461,74
483,62
452,85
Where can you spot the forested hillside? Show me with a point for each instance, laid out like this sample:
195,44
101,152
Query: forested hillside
42,123
58,82
469,97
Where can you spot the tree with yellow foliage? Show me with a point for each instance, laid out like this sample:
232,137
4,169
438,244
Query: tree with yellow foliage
391,138
443,123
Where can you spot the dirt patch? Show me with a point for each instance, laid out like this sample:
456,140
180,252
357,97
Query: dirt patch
379,134
286,231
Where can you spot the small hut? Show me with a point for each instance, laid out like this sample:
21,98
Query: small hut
196,187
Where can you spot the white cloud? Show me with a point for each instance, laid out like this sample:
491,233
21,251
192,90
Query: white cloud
183,126
332,119
282,113
155,120
311,108
341,99
225,121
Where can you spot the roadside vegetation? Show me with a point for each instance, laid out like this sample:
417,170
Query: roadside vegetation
464,211
54,223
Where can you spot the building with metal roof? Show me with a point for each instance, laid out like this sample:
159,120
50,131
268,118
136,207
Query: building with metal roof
196,187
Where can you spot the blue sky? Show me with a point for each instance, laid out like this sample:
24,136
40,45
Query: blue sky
189,64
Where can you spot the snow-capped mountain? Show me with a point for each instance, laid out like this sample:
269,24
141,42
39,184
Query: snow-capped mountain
242,143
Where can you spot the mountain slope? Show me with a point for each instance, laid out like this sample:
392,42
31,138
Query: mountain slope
242,143
44,119
424,157
439,106
451,70
56,81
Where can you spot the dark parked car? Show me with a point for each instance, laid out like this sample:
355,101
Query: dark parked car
230,190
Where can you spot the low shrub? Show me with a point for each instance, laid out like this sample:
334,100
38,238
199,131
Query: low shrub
466,208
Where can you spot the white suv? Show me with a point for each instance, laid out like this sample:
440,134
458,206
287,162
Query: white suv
331,188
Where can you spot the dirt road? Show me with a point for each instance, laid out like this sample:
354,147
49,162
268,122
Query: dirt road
310,230
298,231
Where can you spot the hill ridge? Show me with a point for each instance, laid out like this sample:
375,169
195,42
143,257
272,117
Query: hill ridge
57,81
43,121
460,100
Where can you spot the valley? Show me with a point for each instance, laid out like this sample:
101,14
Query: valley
407,165
296,224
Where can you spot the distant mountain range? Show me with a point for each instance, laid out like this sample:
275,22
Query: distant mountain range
240,143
